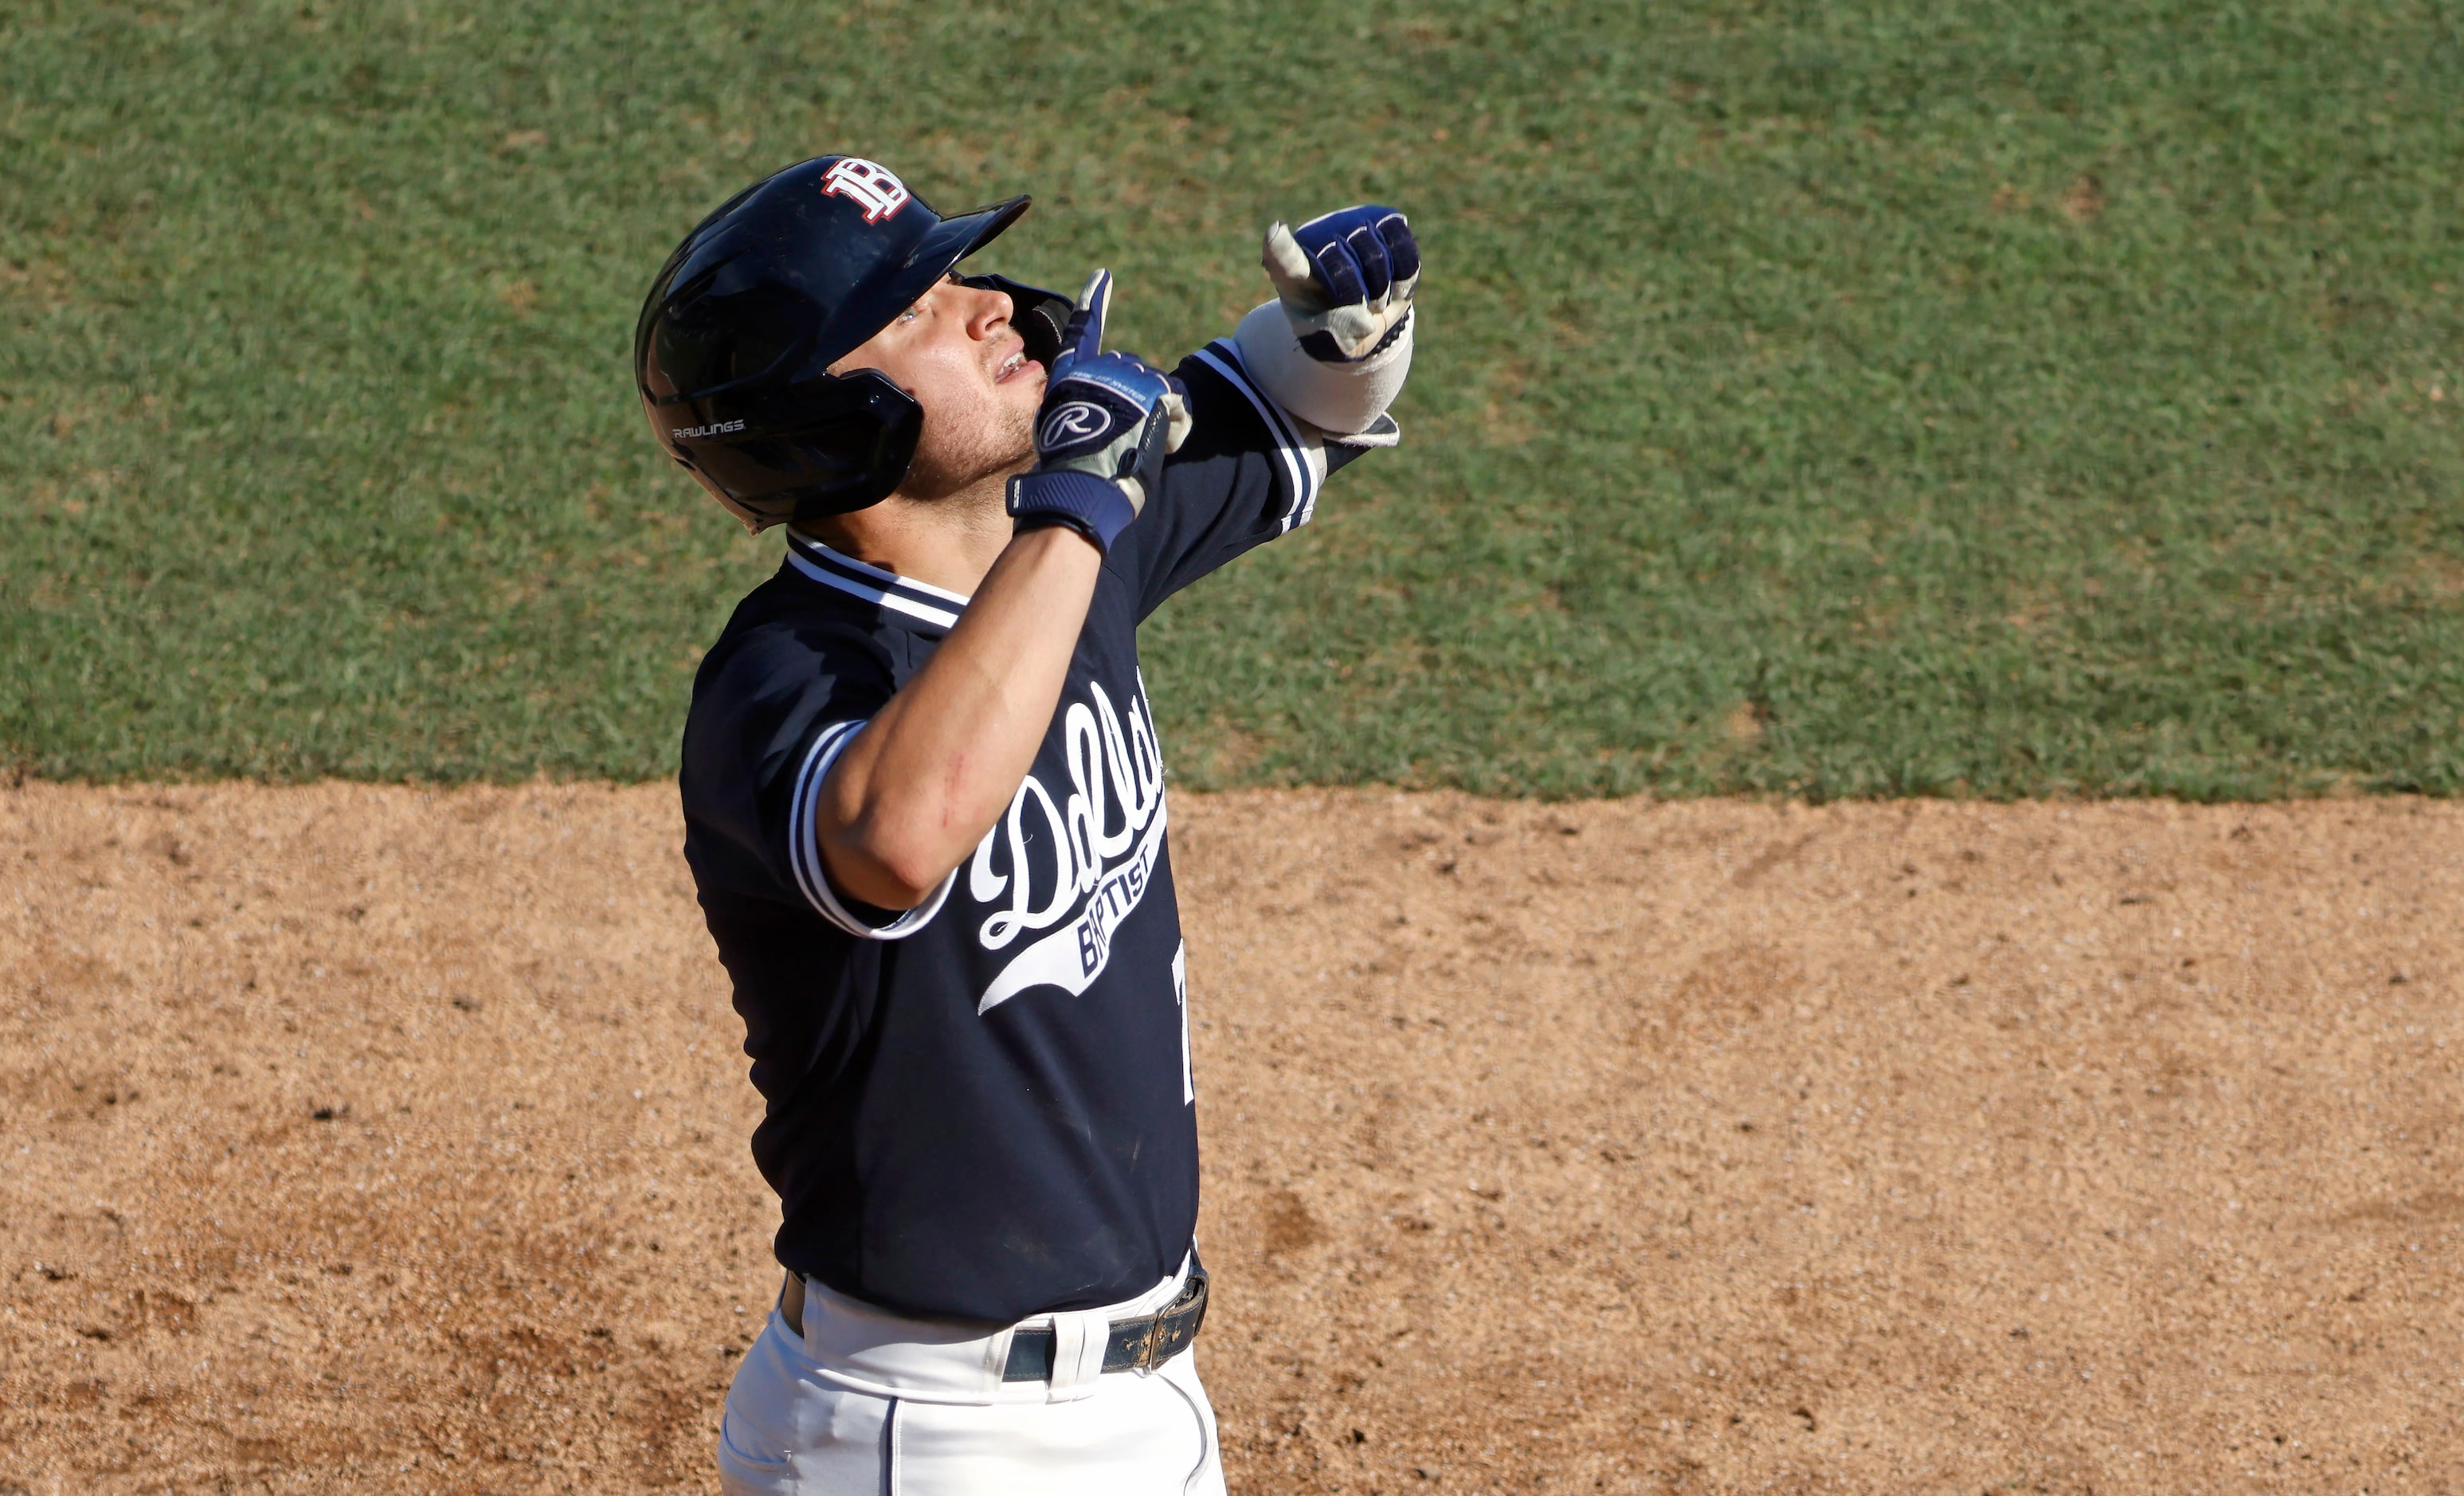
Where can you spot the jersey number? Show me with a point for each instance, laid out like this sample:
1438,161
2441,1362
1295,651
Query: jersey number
1180,994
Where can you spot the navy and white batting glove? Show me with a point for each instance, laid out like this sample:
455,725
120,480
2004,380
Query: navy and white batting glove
1106,422
1346,280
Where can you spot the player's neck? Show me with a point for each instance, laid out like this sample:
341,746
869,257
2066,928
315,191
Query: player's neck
948,543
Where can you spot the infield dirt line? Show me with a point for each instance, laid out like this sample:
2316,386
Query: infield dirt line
381,1139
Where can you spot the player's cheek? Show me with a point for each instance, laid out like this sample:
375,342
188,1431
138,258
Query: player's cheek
950,387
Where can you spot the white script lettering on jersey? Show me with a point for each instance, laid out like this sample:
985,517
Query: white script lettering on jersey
1089,854
869,184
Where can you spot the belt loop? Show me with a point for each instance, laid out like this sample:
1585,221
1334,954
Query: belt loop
996,1358
1078,1341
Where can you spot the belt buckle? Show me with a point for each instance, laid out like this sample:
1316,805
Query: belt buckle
1149,1341
1162,1335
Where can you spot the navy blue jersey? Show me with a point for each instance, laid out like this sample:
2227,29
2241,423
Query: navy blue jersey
980,1108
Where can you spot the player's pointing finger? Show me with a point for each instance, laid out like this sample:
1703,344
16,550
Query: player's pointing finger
1084,337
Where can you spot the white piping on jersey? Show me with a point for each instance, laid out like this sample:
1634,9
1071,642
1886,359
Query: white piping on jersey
805,847
882,588
1299,468
880,574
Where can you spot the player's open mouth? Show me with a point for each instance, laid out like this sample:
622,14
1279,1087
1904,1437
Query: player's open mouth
1015,363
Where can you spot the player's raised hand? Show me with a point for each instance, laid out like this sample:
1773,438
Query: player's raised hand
1106,422
1139,395
1084,337
1346,279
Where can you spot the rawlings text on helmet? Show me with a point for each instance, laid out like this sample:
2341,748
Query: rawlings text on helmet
869,184
694,433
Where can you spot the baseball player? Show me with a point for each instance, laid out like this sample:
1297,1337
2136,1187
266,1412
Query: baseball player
924,808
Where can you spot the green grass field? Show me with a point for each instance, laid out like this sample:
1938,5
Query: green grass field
1846,399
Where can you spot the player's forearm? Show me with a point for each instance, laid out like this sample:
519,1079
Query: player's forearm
912,794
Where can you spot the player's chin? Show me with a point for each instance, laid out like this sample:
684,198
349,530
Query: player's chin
1023,392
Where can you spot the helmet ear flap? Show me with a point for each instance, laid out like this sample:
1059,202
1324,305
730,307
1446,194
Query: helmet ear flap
889,420
828,445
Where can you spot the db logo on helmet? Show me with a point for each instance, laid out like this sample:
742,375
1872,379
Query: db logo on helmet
869,184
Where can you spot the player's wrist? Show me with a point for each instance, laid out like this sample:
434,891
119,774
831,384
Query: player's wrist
1064,535
1078,500
1057,525
1346,280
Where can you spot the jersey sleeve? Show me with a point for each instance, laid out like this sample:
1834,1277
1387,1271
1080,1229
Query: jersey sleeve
768,721
1249,472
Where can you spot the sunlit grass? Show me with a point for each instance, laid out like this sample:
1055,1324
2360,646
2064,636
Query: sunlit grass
1846,399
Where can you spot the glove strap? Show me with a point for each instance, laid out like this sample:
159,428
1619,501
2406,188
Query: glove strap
1086,503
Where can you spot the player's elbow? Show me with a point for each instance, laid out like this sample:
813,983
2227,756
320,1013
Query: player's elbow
885,865
888,839
909,872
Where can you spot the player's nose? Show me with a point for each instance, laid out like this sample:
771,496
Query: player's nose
990,312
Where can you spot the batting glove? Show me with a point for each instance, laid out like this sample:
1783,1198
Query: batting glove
1346,280
1106,422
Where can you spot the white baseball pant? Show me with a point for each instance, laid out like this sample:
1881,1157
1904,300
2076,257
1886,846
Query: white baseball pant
869,1403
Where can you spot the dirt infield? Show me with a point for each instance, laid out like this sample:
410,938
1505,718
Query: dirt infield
373,1140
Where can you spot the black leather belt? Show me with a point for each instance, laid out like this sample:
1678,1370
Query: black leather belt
1134,1345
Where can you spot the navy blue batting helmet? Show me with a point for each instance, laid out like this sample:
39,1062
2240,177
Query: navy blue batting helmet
732,351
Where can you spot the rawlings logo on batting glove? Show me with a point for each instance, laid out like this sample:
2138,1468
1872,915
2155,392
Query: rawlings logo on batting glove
1107,422
1079,421
1346,279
